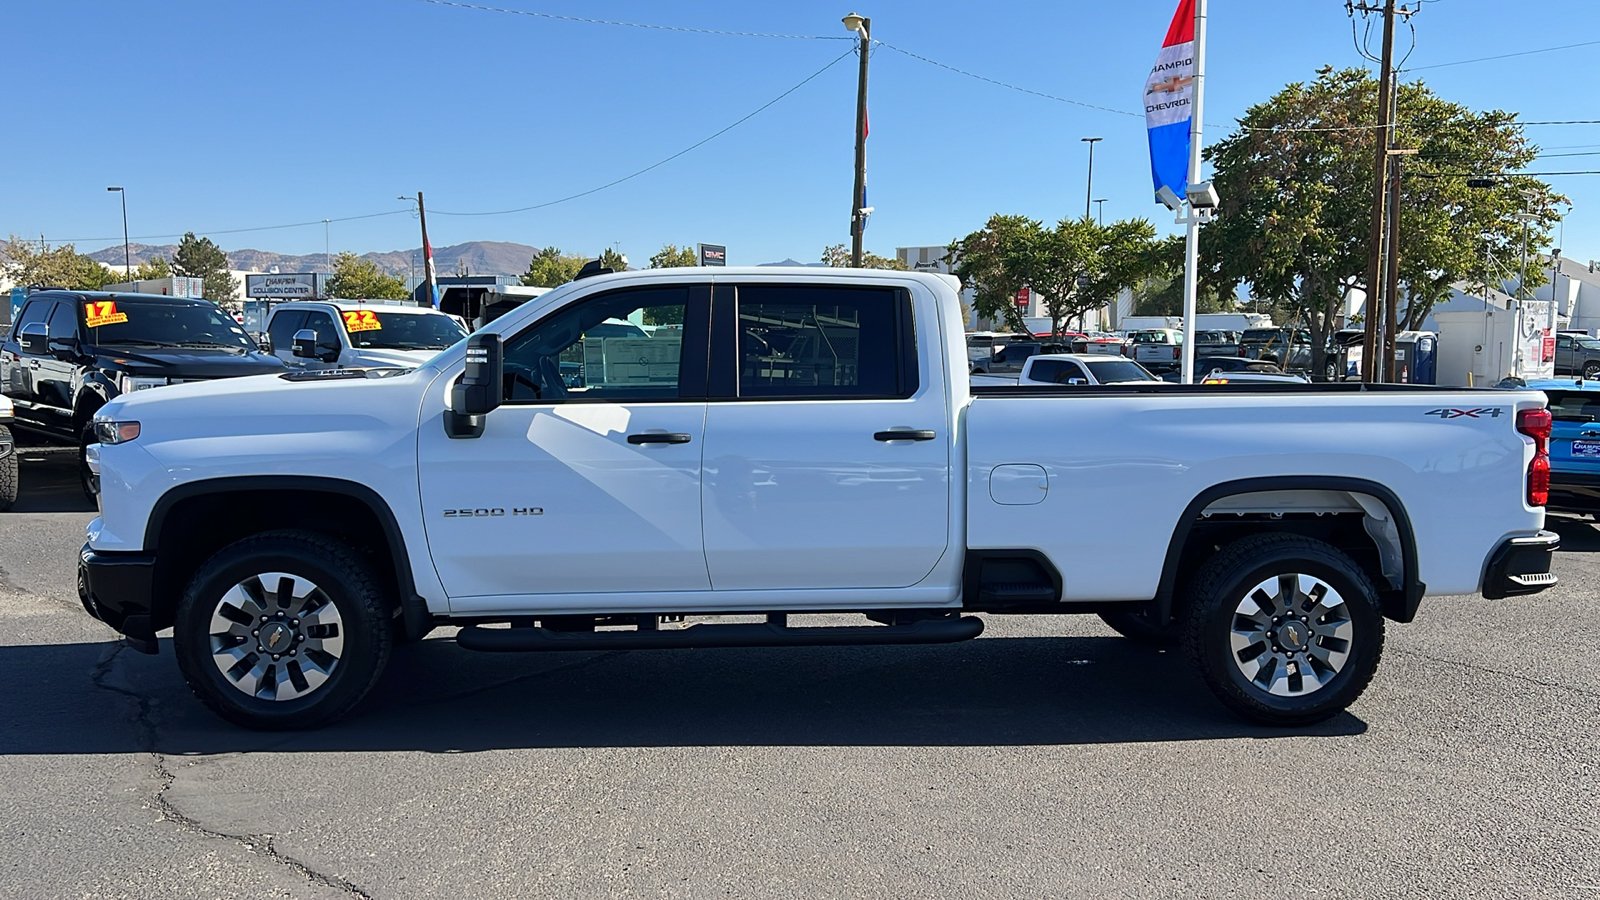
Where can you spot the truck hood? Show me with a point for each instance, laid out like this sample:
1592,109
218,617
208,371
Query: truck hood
374,357
274,405
185,362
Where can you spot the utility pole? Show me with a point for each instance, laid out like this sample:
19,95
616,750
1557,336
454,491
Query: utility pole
1088,190
1370,370
858,196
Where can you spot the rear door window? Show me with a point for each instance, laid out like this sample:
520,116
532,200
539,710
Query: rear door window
824,342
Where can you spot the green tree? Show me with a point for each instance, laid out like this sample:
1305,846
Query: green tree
671,256
355,278
29,263
551,268
200,258
613,260
979,260
1160,291
1295,181
838,256
153,268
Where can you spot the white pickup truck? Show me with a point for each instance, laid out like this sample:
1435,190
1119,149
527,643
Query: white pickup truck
784,442
313,335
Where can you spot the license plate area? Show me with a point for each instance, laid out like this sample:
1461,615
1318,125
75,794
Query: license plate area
1586,449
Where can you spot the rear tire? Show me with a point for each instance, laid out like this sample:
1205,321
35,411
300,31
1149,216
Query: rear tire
284,630
8,470
1285,630
1135,625
1591,371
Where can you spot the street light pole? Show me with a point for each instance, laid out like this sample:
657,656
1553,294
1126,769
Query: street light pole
1100,211
1088,190
862,26
127,256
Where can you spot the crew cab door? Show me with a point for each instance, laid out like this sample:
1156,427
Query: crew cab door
803,489
587,479
17,366
54,380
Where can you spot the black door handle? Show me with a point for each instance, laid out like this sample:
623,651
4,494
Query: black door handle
921,435
659,437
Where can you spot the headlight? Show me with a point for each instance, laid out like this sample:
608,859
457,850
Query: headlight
115,432
128,383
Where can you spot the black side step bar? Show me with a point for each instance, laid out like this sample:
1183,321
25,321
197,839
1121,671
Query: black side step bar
711,635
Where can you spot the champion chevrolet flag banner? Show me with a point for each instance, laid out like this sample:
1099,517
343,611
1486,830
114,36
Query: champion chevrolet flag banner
430,275
1169,103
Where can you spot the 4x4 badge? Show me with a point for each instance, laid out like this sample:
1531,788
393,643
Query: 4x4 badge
1492,412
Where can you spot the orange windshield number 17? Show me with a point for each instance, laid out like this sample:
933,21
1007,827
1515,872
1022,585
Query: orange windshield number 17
102,312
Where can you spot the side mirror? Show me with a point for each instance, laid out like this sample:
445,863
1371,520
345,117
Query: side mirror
479,390
305,344
264,341
34,338
1077,381
63,348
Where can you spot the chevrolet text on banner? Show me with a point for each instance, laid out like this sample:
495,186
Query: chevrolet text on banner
1169,103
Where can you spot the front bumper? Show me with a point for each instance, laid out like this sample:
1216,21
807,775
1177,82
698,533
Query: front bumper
1521,565
116,588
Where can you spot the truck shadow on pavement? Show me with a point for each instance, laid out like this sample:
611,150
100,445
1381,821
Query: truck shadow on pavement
436,697
49,483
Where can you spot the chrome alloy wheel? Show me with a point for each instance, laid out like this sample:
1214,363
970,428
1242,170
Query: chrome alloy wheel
276,636
1291,635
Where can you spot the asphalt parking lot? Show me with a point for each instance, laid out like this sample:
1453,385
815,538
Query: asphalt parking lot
1045,759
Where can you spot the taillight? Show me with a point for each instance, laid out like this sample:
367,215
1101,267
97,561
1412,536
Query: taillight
1535,423
1174,352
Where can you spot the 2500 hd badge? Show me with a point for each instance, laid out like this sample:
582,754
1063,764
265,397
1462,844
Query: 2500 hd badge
497,511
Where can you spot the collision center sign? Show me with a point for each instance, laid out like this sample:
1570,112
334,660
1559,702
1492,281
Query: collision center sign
294,285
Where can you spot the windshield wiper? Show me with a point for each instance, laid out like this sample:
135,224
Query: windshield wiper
211,344
138,341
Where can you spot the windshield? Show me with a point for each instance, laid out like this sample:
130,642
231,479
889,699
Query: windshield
1588,343
379,330
1108,371
162,323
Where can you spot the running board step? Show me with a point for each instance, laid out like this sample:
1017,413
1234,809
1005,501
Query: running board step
711,635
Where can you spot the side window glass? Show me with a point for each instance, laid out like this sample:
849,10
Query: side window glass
63,321
1046,370
621,347
283,327
322,324
824,342
1070,371
36,311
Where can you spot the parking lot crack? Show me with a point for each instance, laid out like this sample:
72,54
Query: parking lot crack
1492,671
262,845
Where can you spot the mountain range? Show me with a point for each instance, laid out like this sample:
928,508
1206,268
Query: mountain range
473,257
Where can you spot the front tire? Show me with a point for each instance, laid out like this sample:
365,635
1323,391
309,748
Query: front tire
1285,630
1591,371
284,630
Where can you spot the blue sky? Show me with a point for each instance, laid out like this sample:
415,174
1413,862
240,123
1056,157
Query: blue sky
232,115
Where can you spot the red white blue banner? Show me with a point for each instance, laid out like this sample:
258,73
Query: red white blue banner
1169,103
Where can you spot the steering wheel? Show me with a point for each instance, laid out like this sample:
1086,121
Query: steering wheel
520,377
550,374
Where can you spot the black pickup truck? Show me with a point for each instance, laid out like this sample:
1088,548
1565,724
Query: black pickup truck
69,352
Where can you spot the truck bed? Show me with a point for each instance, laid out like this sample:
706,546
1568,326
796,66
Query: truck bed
1126,464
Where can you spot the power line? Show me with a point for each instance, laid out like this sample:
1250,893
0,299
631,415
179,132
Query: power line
995,81
157,237
1462,62
680,28
656,165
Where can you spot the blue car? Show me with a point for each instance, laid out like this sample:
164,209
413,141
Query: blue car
1574,443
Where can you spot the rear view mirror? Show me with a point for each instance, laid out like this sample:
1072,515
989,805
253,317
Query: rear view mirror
305,344
33,338
479,390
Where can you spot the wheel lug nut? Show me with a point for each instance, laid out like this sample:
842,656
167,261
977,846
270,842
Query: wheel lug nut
255,634
275,657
